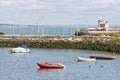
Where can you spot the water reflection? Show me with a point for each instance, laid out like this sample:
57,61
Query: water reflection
19,54
53,69
50,74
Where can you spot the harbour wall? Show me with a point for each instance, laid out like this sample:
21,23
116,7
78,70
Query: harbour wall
111,44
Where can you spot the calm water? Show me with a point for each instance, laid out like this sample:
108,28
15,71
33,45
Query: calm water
43,30
51,31
23,66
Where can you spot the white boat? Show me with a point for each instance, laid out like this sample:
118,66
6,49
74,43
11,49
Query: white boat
21,49
86,59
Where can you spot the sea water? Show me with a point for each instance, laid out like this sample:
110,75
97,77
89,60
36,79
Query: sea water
20,66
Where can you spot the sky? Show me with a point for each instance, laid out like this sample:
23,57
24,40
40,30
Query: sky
59,12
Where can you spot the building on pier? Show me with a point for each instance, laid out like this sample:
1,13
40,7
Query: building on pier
103,29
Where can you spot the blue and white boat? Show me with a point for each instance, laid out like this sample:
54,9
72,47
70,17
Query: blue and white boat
21,49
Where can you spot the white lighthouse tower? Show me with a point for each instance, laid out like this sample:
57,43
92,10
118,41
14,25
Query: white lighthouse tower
100,22
103,25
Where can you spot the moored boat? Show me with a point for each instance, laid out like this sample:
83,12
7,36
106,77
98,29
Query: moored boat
103,57
51,66
21,49
86,59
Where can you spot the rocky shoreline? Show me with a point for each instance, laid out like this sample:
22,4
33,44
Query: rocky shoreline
111,44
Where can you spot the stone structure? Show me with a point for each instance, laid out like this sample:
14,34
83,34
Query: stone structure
103,29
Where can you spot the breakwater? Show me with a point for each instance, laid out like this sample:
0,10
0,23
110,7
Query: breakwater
111,44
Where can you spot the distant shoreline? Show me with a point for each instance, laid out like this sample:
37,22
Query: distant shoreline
111,44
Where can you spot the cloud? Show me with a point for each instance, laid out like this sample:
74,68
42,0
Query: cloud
58,9
59,6
21,4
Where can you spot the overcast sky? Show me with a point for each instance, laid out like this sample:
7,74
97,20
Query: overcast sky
59,11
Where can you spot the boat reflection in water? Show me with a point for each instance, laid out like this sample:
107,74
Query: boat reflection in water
53,73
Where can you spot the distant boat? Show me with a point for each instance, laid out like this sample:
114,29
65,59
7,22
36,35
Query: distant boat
50,66
86,59
21,49
103,57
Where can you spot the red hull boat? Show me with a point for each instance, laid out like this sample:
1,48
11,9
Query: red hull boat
53,66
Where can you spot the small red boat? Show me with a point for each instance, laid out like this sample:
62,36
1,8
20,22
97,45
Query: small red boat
51,66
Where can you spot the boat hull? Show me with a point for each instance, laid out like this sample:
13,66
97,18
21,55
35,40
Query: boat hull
103,57
51,66
19,50
86,59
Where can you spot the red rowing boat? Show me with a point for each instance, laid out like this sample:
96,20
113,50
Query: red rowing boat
53,66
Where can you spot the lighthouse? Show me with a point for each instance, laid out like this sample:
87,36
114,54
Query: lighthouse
101,22
102,25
